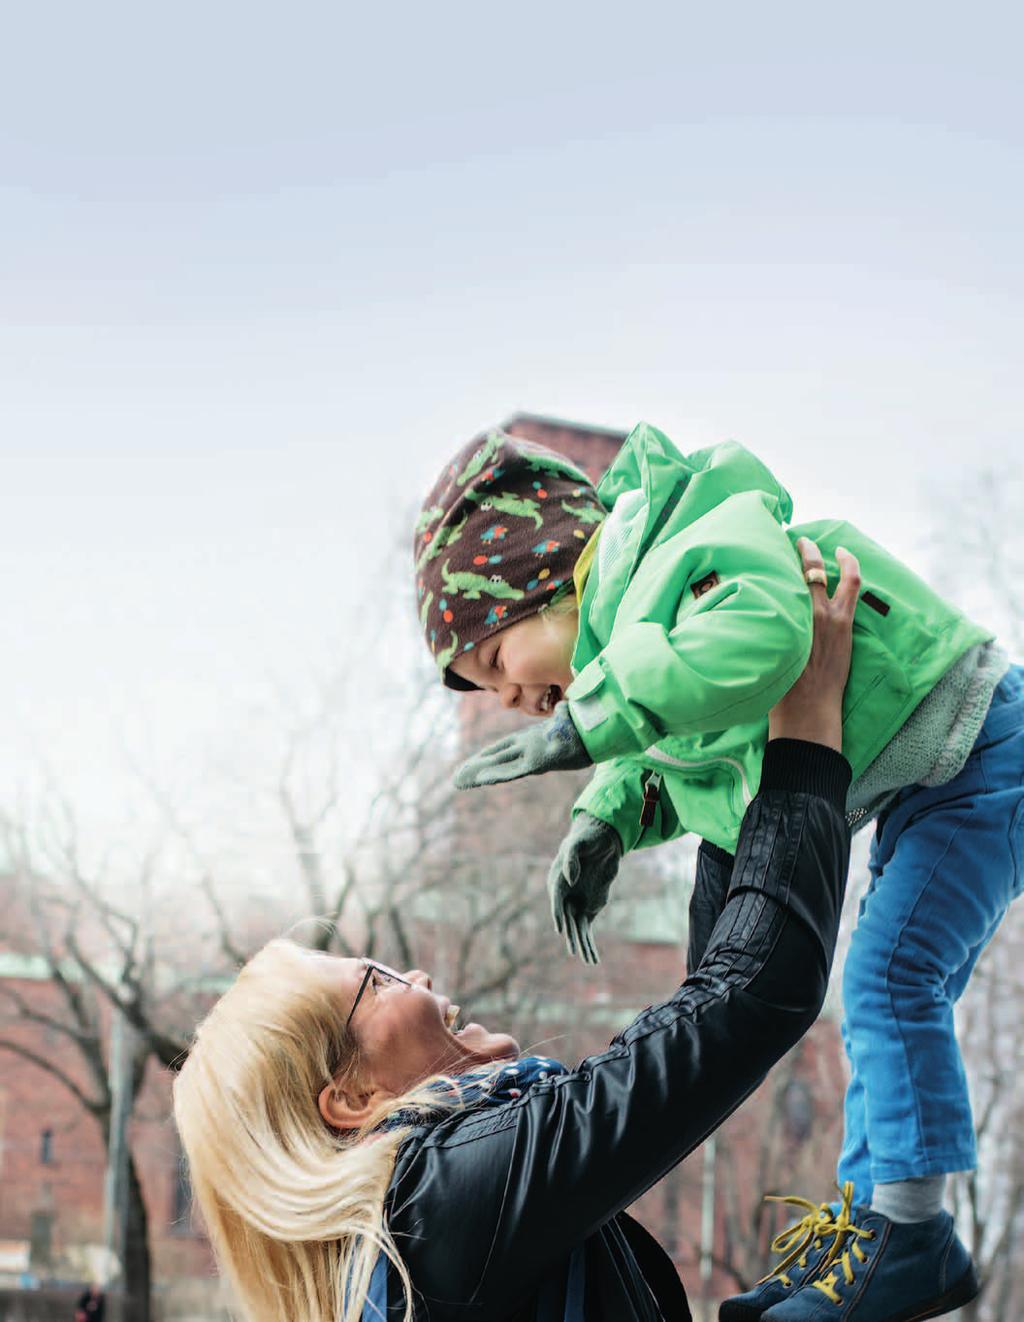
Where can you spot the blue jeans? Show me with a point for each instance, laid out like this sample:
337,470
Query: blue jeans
945,864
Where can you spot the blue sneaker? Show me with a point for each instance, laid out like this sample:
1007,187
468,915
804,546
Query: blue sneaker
883,1271
802,1246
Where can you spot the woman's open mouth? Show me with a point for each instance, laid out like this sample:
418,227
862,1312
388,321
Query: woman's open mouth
453,1021
552,695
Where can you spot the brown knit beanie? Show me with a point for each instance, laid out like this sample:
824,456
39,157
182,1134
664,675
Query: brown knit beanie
497,539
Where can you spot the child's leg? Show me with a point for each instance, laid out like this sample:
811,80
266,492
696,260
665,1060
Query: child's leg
855,1160
946,864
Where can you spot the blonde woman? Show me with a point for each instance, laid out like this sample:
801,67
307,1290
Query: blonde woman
356,1155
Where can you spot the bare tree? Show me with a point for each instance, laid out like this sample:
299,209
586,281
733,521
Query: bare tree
978,550
397,875
98,961
989,1202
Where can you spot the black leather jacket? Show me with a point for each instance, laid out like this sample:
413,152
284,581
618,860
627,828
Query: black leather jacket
486,1206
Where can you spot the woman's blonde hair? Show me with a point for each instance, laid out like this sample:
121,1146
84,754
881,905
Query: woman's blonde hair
293,1208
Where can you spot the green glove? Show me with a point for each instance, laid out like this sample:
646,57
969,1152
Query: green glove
554,745
580,879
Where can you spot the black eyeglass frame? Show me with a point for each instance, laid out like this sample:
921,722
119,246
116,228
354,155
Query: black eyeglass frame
371,969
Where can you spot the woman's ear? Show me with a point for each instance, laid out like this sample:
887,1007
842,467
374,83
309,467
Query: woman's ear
348,1107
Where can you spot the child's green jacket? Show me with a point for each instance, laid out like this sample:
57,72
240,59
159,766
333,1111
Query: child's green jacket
695,619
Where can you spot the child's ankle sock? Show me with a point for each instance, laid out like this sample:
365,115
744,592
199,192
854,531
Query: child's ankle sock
910,1200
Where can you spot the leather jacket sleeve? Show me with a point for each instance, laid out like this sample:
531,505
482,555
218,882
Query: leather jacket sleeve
710,888
484,1203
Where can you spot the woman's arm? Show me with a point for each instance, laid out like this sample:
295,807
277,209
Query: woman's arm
710,887
811,710
510,1192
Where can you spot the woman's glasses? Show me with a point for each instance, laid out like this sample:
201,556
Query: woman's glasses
371,970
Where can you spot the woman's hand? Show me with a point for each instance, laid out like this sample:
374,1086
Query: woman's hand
813,707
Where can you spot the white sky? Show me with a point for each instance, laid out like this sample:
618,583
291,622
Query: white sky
262,267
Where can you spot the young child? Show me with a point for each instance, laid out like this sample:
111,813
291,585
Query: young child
652,622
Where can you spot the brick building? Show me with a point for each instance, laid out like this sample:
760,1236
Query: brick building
53,1158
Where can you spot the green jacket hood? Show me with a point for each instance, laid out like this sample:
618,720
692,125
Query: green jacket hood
649,461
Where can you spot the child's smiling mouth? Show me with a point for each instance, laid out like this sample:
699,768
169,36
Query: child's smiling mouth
551,696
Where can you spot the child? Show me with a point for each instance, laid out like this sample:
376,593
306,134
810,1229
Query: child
652,622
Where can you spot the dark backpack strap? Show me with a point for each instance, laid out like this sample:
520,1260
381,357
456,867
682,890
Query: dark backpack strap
562,1297
658,1270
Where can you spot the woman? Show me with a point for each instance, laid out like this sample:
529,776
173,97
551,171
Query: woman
341,1179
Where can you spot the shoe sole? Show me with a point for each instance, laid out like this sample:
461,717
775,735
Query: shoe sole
966,1289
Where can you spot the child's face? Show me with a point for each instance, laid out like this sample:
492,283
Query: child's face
525,664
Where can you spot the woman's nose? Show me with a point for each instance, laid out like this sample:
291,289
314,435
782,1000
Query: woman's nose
420,978
510,696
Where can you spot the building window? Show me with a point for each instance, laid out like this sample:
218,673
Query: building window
40,1253
798,1111
46,1147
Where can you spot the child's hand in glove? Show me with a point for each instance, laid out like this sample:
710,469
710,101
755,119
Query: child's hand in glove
553,746
580,879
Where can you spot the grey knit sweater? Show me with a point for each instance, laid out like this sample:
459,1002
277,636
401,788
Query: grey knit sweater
933,745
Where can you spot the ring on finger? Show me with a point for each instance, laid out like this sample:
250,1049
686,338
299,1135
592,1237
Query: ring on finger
816,575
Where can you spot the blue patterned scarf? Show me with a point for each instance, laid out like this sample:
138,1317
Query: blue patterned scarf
480,1088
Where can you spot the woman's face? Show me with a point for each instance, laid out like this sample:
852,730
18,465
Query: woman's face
405,1028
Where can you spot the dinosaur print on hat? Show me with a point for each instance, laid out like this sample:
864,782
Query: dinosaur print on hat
500,506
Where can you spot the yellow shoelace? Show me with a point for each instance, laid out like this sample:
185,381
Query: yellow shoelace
796,1240
845,1232
816,1225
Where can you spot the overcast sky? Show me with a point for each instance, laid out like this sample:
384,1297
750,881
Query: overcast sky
262,267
